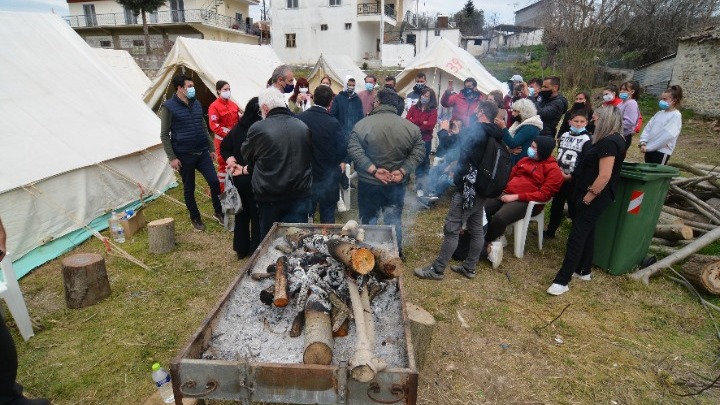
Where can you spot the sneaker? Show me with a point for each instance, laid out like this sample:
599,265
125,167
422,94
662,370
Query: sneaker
197,223
420,193
460,269
583,277
495,255
548,235
428,273
341,206
220,217
557,289
432,197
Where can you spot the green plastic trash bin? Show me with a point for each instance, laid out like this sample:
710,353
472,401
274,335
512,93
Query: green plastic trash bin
625,230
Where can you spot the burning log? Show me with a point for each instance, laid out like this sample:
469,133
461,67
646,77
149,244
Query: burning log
281,283
339,313
350,229
318,333
387,265
298,324
357,259
267,296
262,276
364,363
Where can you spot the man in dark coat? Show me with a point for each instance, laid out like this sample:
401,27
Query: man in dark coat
551,106
329,147
278,150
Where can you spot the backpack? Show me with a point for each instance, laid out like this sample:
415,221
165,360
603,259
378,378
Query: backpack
494,171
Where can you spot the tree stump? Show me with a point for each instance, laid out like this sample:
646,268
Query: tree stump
85,279
161,235
422,324
703,272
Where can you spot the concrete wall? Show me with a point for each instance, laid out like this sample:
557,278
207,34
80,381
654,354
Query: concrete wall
697,70
397,54
476,50
532,16
426,37
524,39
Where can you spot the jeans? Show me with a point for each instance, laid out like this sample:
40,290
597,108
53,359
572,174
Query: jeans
657,157
581,242
501,214
292,211
246,236
438,179
388,199
558,205
326,208
202,163
456,217
421,171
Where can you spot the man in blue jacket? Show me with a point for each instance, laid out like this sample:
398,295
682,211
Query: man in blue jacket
189,147
347,107
329,147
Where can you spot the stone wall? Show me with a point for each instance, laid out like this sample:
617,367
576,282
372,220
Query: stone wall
697,70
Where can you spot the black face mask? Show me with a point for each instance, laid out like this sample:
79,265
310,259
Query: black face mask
545,94
390,86
578,106
418,88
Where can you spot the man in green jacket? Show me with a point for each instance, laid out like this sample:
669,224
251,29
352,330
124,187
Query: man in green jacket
385,149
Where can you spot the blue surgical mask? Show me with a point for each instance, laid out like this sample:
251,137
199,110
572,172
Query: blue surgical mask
531,91
664,105
624,95
190,92
467,92
424,100
289,88
608,98
369,86
577,130
532,153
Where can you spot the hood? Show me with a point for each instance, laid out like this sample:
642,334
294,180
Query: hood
348,77
545,146
535,121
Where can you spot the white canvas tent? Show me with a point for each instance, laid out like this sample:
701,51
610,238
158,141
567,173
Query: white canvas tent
76,141
246,67
125,66
444,61
336,67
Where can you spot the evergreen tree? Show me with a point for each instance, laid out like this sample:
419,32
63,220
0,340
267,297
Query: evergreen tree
142,7
469,9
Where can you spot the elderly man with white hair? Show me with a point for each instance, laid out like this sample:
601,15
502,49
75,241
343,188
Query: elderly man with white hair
278,152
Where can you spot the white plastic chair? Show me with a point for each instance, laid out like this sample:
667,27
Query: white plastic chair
10,292
346,193
520,228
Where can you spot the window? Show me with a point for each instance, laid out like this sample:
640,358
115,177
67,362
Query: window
105,44
323,27
336,2
238,18
348,26
130,17
292,3
138,42
289,40
90,16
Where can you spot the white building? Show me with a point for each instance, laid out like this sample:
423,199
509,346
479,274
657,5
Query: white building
303,29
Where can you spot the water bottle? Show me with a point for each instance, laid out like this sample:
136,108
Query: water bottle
163,384
116,229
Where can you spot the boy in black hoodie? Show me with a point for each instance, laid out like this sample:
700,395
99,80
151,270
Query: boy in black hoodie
466,210
572,144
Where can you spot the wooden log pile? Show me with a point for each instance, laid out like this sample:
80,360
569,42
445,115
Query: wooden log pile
689,221
328,280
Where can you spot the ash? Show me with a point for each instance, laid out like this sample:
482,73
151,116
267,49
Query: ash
248,328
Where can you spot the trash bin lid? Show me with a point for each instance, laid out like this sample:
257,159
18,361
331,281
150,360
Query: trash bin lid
647,171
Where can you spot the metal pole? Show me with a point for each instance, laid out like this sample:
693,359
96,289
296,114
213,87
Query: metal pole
382,28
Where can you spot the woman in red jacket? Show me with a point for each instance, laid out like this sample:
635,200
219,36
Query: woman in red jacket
536,177
424,115
223,114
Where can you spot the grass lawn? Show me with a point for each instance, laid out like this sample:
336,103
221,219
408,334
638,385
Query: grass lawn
618,341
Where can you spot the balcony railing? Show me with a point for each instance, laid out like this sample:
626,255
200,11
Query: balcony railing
374,9
160,17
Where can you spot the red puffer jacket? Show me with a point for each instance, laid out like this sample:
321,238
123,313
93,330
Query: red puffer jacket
463,109
534,180
425,120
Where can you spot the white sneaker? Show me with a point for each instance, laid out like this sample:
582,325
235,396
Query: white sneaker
557,289
496,253
583,277
341,206
420,193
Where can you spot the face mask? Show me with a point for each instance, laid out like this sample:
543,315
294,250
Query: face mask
608,98
577,130
424,100
190,93
351,89
532,153
303,90
225,94
467,92
390,86
418,87
664,105
578,106
324,84
624,95
289,88
369,86
545,93
531,91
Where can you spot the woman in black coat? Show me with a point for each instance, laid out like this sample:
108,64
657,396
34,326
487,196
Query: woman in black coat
247,223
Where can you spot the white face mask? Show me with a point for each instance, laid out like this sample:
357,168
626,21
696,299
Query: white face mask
225,94
303,90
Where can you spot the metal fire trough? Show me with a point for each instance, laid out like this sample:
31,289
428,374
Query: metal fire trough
247,381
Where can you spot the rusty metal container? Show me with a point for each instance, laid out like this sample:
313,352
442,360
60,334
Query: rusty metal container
247,381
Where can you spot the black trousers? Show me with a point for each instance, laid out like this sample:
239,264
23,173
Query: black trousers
558,205
8,365
581,242
657,157
246,236
293,211
500,215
